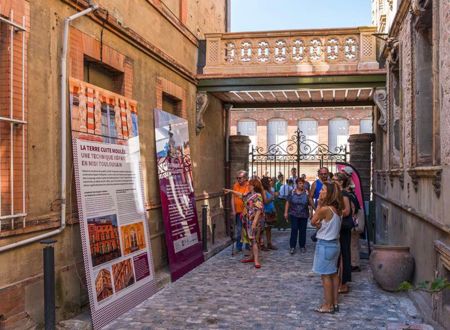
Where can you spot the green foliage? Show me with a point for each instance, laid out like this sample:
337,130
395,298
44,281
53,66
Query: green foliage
439,284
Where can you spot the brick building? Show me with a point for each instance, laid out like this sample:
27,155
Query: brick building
104,239
103,284
324,125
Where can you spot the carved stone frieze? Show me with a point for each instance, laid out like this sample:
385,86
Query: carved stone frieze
418,7
392,47
381,100
433,172
414,178
421,9
395,173
201,105
437,182
391,4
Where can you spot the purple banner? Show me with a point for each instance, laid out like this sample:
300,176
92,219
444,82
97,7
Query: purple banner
177,193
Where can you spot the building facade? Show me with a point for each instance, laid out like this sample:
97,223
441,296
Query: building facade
121,47
412,152
329,126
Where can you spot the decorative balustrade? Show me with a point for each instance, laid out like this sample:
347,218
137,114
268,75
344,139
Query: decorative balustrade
337,50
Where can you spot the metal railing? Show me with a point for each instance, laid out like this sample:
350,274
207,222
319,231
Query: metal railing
15,121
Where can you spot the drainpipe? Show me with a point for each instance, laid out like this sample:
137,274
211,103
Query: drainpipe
228,108
63,83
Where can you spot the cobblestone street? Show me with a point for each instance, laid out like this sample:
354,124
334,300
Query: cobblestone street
226,294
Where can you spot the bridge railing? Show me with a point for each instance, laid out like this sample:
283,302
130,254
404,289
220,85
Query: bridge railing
302,52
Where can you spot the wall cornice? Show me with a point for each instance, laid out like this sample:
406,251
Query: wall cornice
101,16
400,16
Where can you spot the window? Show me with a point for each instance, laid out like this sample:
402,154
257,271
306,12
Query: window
423,87
277,133
248,127
337,133
13,123
365,126
101,75
308,128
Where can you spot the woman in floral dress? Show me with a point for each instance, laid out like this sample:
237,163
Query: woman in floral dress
253,218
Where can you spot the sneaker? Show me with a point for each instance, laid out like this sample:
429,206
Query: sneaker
291,251
303,250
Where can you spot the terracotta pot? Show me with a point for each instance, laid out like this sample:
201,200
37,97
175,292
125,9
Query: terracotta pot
391,265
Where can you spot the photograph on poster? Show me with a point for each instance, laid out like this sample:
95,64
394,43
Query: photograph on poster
141,267
100,115
133,237
103,284
123,275
177,193
103,239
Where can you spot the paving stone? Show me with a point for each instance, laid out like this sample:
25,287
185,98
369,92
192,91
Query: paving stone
223,293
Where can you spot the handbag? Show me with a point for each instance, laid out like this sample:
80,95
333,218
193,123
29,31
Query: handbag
360,222
347,223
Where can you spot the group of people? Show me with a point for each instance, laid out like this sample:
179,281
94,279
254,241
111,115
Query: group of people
329,203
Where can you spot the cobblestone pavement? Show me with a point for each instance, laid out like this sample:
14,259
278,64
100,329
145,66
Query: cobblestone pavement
226,294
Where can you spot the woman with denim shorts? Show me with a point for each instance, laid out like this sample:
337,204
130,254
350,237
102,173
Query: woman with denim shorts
327,219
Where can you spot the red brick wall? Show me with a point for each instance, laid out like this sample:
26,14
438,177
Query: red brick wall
292,116
18,11
81,45
164,86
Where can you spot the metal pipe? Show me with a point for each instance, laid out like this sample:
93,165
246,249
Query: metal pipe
11,127
205,227
63,95
23,127
10,22
12,216
11,67
12,120
49,284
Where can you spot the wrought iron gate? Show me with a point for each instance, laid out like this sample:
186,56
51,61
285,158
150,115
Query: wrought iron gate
306,155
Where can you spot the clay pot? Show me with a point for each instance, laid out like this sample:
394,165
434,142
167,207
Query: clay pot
391,265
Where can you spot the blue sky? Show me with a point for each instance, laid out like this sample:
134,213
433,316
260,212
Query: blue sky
265,15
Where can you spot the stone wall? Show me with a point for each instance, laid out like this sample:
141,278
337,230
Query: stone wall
411,196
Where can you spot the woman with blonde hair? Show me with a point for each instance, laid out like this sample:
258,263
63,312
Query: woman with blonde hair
327,219
253,218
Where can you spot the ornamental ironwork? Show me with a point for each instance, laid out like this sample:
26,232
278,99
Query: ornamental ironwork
297,151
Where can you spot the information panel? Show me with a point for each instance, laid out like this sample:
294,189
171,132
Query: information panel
177,193
114,228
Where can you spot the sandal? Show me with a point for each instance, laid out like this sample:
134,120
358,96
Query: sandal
272,247
322,309
257,266
244,261
344,290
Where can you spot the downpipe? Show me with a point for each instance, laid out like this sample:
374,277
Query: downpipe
63,105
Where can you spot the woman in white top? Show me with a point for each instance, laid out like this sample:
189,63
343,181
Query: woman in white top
327,219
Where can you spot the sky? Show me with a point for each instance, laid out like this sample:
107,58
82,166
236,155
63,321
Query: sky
267,15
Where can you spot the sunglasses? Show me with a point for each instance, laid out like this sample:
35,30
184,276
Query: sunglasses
240,177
